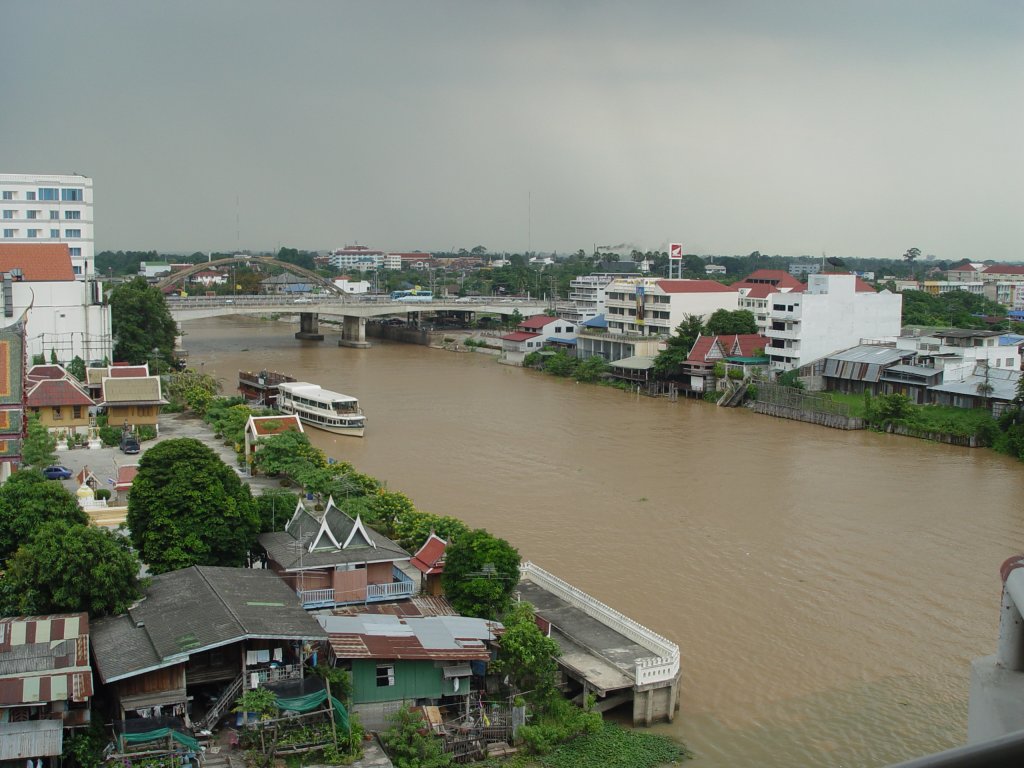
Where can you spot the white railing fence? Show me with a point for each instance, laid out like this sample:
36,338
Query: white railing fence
664,667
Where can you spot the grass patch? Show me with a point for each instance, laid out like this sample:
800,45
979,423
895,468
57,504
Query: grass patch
854,402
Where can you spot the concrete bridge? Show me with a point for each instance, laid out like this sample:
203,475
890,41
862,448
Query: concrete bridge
354,310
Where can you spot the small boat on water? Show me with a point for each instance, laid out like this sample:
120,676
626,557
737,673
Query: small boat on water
261,388
321,408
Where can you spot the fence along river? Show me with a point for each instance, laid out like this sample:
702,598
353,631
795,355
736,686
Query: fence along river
827,588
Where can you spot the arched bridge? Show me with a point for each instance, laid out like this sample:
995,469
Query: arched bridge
353,309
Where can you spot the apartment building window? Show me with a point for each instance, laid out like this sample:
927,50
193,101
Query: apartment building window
30,195
71,195
32,214
8,195
9,232
72,215
75,252
54,214
8,214
55,233
72,233
33,233
47,193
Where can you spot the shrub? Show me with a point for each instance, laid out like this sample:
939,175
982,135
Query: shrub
711,396
735,373
102,494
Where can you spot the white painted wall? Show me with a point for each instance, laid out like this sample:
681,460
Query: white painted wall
63,318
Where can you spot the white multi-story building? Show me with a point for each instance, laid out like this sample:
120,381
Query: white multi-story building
834,312
958,351
649,306
49,208
756,287
587,295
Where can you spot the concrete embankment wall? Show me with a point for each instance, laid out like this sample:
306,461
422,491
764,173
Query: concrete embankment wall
833,420
965,441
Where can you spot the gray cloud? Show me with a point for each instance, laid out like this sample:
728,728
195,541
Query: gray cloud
854,128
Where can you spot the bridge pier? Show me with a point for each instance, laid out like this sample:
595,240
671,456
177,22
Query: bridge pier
309,327
353,332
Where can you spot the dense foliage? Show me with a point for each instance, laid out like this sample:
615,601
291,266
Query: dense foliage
611,746
410,743
27,501
39,446
527,656
188,507
480,573
69,567
141,324
955,309
727,322
678,346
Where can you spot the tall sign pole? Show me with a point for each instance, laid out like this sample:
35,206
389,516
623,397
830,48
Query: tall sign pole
675,260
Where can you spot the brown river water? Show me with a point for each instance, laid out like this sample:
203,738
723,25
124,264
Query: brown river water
827,589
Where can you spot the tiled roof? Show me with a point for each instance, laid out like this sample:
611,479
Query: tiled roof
744,344
694,286
50,392
187,611
438,638
38,262
265,426
46,372
519,336
702,348
290,548
429,558
137,390
536,322
122,371
125,475
1005,269
775,277
761,291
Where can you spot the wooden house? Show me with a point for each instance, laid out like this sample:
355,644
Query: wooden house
396,660
45,683
61,402
132,401
200,637
330,559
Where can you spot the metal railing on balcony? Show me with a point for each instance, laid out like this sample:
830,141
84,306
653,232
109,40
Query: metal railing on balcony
315,597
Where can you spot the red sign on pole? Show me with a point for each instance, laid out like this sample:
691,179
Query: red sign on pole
675,251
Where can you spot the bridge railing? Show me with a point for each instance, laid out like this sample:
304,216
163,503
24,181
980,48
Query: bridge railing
662,668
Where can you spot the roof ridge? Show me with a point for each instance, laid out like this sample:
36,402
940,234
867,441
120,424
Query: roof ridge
199,569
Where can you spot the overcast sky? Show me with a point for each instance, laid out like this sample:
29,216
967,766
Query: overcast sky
859,129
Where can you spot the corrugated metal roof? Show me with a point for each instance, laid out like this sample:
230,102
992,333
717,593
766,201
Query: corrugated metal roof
634,363
441,638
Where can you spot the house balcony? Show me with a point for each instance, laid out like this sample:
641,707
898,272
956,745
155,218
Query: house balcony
270,675
780,333
399,588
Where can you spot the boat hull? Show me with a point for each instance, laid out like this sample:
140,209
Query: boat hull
342,430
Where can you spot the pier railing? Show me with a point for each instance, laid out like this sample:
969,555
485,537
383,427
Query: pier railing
662,668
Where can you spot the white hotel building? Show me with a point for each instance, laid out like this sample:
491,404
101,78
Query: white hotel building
45,208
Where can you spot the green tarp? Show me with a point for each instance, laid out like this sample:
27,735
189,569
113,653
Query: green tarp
312,701
160,733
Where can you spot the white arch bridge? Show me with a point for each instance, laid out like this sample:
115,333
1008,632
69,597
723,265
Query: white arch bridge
353,310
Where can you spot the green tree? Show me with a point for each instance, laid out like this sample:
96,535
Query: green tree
480,573
39,446
180,383
677,349
188,507
27,500
275,508
289,453
410,743
592,369
560,364
527,656
77,368
67,568
724,322
141,324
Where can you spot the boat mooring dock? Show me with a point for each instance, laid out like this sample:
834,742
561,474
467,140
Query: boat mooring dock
604,652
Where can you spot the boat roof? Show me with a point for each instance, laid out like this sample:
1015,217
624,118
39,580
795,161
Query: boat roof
306,389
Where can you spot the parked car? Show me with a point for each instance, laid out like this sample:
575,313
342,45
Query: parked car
57,472
130,444
303,300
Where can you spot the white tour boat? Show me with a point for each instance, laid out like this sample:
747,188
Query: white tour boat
321,408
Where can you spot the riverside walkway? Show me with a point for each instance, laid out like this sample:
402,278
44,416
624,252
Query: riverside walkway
603,651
